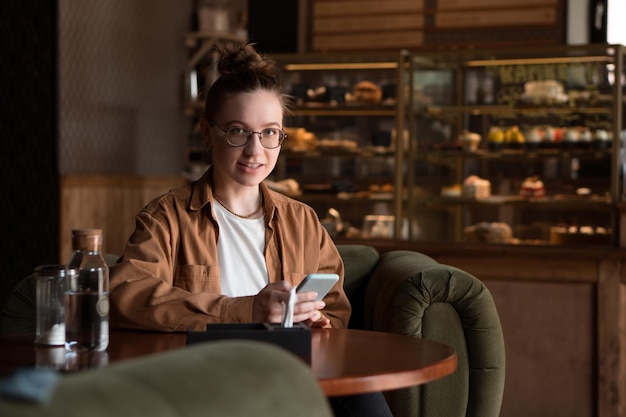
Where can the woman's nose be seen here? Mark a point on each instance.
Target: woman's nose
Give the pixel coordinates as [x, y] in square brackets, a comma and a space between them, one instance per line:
[254, 145]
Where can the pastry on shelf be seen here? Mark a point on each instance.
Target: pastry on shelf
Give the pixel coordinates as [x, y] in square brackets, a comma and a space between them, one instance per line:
[299, 139]
[367, 92]
[337, 145]
[289, 186]
[382, 192]
[514, 138]
[532, 187]
[476, 187]
[489, 232]
[583, 235]
[601, 139]
[454, 190]
[544, 92]
[495, 138]
[469, 140]
[534, 137]
[551, 138]
[328, 94]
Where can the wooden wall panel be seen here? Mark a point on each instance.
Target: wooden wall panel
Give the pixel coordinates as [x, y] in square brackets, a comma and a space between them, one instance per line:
[550, 347]
[435, 24]
[109, 203]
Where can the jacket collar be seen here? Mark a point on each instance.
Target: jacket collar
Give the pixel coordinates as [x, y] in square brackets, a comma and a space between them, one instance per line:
[202, 194]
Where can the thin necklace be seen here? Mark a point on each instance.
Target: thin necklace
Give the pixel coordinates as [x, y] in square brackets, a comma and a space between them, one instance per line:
[247, 216]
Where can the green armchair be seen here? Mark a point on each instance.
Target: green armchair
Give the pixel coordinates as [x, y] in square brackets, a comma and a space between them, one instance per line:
[401, 292]
[410, 293]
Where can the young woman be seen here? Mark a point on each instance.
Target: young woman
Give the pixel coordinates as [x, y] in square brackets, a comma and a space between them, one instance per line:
[226, 248]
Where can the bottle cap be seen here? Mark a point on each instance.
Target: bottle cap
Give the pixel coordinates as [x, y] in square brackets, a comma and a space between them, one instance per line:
[87, 239]
[85, 232]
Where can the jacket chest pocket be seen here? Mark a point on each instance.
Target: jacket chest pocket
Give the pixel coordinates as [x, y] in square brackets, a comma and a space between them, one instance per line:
[197, 278]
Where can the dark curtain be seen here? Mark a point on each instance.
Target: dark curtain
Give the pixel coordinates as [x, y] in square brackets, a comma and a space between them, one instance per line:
[29, 180]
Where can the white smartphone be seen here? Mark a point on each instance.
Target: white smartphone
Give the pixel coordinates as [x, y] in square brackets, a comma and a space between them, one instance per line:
[320, 283]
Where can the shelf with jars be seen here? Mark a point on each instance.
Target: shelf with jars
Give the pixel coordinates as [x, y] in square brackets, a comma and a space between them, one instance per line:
[520, 146]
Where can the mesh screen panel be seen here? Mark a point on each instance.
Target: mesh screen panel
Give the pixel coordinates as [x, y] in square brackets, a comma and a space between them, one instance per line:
[120, 65]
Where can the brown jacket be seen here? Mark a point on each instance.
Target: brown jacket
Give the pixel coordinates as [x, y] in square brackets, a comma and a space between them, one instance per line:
[168, 277]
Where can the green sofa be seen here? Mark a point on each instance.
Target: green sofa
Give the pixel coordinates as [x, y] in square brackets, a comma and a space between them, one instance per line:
[402, 292]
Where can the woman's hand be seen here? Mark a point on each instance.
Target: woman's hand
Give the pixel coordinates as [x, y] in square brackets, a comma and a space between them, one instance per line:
[268, 306]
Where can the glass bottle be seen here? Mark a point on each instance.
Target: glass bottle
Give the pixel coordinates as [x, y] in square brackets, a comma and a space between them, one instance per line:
[87, 294]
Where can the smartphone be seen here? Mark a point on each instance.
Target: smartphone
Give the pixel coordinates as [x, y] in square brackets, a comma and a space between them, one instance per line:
[320, 283]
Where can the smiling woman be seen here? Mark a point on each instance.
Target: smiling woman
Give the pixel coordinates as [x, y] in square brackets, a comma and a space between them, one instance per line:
[225, 248]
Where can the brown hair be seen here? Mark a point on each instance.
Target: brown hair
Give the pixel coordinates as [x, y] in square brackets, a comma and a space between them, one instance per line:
[242, 70]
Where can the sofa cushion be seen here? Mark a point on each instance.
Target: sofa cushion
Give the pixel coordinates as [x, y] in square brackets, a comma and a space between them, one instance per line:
[223, 378]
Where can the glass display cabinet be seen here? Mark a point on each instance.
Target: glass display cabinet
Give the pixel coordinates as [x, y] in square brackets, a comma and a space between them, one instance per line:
[516, 146]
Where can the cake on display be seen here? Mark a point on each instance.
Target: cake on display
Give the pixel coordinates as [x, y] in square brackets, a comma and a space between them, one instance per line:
[544, 92]
[476, 187]
[532, 187]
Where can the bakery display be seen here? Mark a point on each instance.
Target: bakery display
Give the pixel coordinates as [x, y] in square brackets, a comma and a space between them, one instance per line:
[505, 140]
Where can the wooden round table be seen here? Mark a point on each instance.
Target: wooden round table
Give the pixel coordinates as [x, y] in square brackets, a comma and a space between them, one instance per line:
[344, 362]
[349, 362]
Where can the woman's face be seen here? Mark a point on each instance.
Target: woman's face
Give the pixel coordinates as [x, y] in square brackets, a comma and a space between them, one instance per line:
[248, 165]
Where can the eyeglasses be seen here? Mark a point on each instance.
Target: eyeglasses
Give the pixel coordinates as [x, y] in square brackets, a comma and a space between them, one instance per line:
[236, 136]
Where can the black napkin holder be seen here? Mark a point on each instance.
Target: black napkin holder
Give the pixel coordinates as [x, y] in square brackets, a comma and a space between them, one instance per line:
[296, 339]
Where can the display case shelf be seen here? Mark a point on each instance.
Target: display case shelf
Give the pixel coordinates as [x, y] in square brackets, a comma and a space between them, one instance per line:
[535, 111]
[344, 110]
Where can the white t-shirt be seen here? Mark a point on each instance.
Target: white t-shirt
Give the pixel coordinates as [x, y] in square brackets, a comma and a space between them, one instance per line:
[240, 253]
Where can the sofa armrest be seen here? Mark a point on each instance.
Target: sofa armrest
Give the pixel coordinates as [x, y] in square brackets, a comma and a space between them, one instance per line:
[411, 293]
[223, 378]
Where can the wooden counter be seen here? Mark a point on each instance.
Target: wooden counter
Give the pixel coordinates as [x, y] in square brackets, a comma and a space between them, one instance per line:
[563, 313]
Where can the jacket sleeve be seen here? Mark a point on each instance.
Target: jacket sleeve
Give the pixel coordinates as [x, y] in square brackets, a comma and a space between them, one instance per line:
[142, 288]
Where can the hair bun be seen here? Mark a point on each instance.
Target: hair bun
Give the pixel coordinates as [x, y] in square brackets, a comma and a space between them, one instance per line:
[238, 58]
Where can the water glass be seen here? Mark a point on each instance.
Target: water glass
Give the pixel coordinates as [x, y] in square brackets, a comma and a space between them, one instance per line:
[50, 304]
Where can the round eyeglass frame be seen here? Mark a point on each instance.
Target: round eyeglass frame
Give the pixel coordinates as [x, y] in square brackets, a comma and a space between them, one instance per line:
[281, 139]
